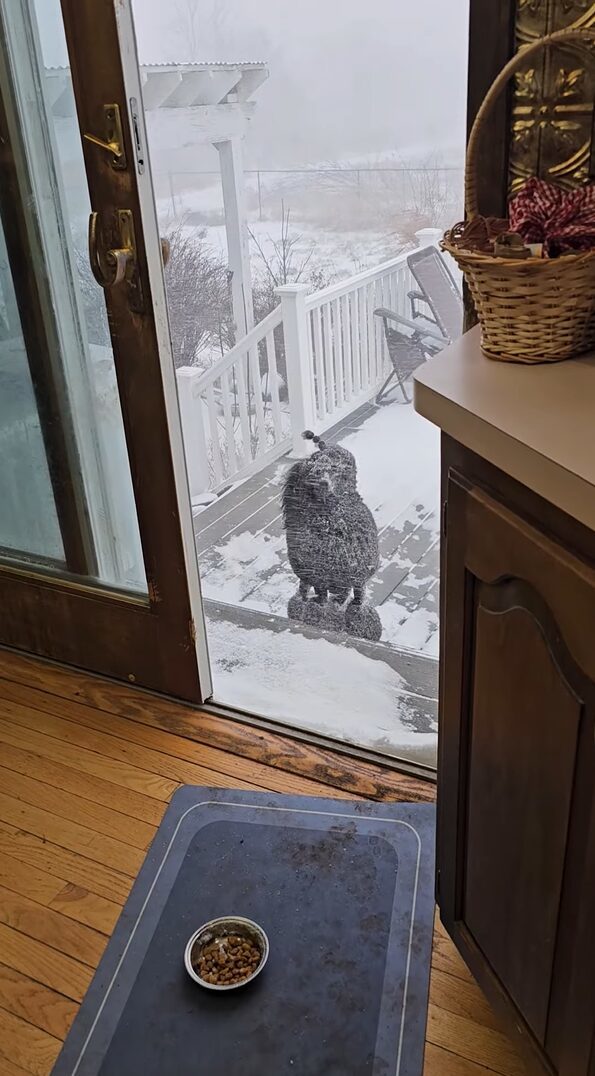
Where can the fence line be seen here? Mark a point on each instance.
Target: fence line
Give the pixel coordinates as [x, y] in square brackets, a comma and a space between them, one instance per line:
[260, 173]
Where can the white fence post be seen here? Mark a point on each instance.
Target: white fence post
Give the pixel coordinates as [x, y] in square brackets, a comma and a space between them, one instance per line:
[193, 429]
[232, 181]
[300, 375]
[429, 237]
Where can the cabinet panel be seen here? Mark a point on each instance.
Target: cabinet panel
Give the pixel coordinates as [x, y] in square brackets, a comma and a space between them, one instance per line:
[524, 727]
[516, 817]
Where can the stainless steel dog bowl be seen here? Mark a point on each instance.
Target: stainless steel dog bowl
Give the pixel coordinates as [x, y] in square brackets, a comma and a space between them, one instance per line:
[216, 928]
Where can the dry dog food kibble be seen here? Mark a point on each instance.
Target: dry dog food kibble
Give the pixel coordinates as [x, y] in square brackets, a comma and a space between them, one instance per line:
[227, 960]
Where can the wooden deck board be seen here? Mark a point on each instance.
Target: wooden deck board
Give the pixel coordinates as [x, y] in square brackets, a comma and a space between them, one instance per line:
[421, 578]
[264, 517]
[62, 886]
[411, 550]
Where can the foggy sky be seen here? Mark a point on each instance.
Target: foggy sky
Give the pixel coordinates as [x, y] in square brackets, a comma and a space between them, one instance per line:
[347, 77]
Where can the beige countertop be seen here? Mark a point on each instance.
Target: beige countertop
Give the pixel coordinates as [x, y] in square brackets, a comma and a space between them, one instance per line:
[536, 423]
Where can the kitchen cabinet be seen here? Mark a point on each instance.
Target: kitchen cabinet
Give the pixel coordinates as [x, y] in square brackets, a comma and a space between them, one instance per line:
[516, 780]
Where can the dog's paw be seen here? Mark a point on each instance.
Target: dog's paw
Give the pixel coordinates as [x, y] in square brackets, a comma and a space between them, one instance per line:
[295, 607]
[313, 612]
[363, 622]
[306, 612]
[333, 618]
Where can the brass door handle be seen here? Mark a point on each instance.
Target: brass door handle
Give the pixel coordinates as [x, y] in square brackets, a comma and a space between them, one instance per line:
[113, 143]
[118, 261]
[116, 264]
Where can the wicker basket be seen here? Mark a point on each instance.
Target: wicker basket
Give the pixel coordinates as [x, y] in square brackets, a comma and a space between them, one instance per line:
[533, 309]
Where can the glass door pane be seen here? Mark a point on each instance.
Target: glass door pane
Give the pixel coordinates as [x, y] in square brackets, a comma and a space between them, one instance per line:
[29, 519]
[97, 558]
[68, 498]
[304, 178]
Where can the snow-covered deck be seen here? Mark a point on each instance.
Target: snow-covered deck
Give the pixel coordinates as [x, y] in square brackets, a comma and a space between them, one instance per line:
[378, 695]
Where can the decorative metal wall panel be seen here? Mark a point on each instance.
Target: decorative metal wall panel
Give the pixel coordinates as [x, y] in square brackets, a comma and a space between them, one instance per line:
[552, 106]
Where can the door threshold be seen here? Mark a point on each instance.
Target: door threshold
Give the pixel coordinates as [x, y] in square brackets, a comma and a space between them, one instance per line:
[394, 763]
[77, 684]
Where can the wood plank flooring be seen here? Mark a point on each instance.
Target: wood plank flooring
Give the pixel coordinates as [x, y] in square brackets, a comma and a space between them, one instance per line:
[86, 771]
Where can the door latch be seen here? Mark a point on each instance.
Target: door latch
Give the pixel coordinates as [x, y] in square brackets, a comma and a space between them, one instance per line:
[113, 256]
[113, 143]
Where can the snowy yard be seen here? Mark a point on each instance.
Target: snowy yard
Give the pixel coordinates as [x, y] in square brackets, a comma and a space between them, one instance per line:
[326, 683]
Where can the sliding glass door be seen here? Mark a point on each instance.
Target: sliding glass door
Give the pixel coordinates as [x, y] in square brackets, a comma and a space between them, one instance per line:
[97, 560]
[304, 179]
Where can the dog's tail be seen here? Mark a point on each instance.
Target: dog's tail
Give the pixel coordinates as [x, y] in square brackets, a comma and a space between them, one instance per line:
[308, 435]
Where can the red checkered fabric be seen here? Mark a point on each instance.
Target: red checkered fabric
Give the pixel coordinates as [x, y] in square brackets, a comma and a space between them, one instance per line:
[562, 220]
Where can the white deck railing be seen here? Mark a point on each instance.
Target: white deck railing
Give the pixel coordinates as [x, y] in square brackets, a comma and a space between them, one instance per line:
[312, 361]
[348, 350]
[235, 416]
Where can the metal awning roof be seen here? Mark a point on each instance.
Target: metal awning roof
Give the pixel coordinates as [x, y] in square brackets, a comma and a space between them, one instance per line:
[183, 85]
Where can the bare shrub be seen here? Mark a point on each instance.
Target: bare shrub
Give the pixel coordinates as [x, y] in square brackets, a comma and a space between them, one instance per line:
[198, 298]
[285, 259]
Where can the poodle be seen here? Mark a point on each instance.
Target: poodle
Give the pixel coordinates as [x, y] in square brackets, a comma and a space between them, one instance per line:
[332, 540]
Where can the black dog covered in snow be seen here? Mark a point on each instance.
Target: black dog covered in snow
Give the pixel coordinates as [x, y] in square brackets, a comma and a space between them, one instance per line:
[332, 541]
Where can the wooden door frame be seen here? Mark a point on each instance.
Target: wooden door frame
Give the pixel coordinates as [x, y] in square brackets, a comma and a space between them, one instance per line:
[152, 640]
[491, 45]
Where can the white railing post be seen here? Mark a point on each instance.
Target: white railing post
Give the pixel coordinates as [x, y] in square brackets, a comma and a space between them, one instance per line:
[300, 377]
[429, 237]
[193, 428]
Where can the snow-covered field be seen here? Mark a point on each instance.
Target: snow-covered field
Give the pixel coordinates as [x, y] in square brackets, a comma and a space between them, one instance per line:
[338, 252]
[345, 220]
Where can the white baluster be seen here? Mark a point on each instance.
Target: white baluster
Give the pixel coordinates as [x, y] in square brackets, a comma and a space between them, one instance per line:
[339, 353]
[298, 360]
[232, 460]
[370, 306]
[363, 332]
[319, 358]
[261, 445]
[272, 382]
[403, 304]
[242, 398]
[347, 349]
[357, 349]
[328, 360]
[214, 432]
[193, 428]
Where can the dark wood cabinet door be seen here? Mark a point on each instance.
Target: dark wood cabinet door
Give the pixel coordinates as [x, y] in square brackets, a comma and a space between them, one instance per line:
[517, 773]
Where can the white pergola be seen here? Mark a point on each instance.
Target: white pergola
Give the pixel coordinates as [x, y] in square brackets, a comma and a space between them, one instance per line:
[218, 97]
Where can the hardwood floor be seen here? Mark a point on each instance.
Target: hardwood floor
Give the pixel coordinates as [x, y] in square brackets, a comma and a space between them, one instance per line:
[86, 770]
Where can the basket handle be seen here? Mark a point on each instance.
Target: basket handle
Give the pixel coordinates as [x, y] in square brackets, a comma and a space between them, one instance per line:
[559, 37]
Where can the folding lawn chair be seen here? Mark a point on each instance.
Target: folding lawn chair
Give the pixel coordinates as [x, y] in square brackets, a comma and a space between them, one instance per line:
[436, 319]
